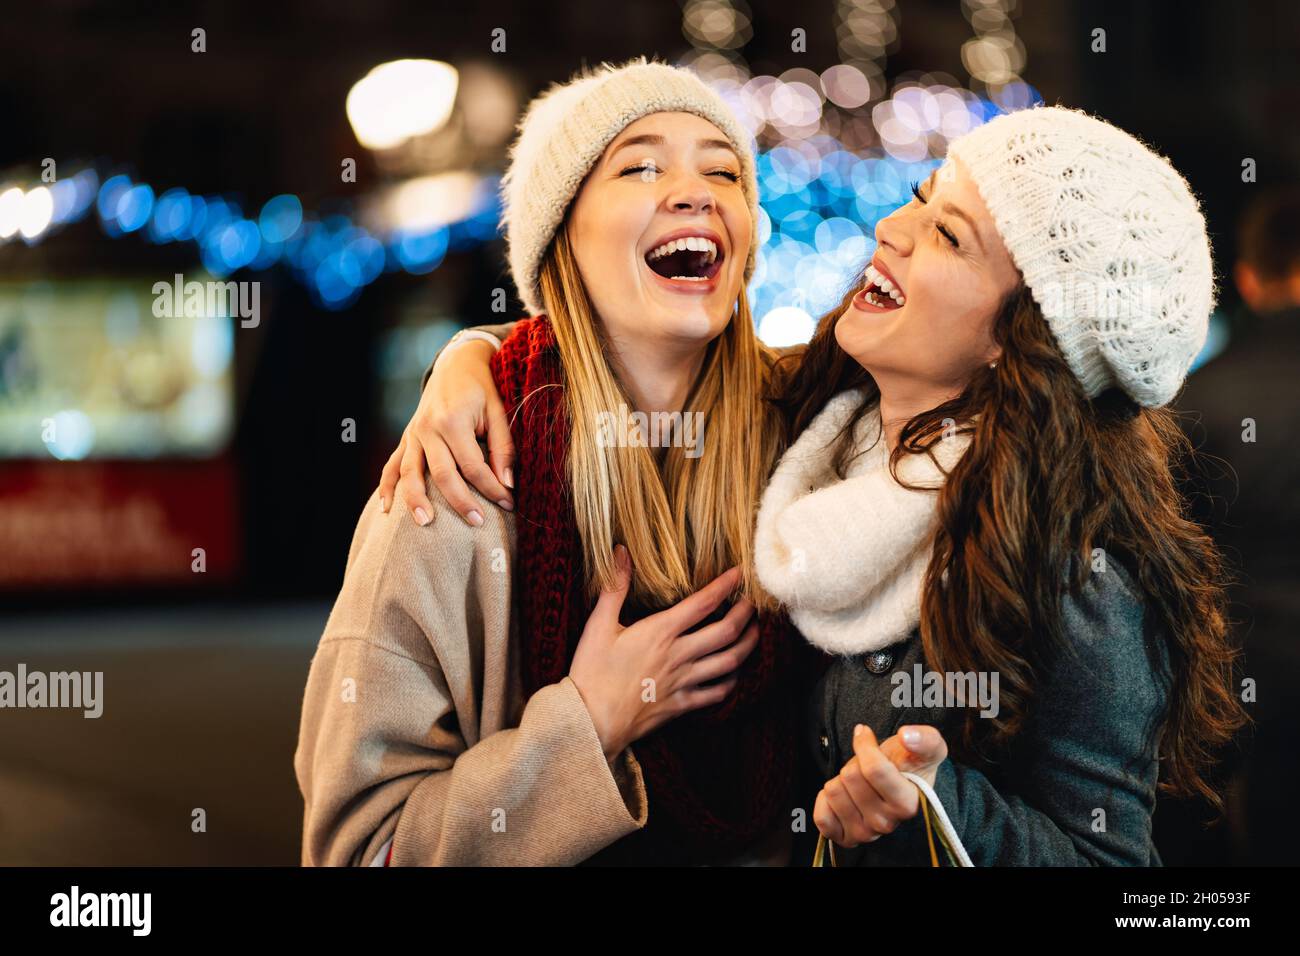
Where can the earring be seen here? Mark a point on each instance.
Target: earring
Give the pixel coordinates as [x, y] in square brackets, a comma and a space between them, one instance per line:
[993, 364]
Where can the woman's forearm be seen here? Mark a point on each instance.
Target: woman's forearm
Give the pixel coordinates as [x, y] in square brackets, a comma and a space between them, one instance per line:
[1003, 829]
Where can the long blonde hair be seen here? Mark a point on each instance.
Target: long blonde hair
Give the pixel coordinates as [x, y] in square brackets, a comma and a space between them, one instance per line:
[683, 520]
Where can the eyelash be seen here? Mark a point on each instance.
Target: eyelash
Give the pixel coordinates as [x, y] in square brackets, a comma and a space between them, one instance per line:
[732, 177]
[943, 230]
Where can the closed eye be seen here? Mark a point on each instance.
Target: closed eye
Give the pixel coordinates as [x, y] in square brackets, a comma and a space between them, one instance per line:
[942, 229]
[727, 174]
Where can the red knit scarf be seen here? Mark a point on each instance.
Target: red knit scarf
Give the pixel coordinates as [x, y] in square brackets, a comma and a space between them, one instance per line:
[717, 779]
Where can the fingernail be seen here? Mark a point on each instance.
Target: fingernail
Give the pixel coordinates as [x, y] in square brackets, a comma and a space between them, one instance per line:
[911, 736]
[505, 503]
[508, 479]
[474, 518]
[383, 504]
[857, 729]
[421, 516]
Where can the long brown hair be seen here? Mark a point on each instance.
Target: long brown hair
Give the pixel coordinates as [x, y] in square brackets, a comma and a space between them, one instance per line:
[1048, 477]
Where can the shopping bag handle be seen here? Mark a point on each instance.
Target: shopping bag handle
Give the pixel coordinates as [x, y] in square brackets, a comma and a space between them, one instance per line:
[936, 820]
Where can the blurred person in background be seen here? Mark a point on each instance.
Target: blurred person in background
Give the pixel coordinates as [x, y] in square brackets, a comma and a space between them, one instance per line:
[1242, 412]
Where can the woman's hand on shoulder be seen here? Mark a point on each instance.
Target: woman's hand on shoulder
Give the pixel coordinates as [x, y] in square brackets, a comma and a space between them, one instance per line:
[459, 403]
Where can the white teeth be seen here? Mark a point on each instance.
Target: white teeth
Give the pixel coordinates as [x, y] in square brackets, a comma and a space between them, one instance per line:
[873, 277]
[878, 299]
[691, 243]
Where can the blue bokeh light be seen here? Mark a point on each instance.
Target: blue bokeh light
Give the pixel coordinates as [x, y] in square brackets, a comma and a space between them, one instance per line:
[421, 253]
[133, 208]
[820, 203]
[281, 217]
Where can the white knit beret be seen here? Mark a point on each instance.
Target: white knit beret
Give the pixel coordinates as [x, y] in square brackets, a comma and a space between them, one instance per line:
[564, 131]
[1110, 240]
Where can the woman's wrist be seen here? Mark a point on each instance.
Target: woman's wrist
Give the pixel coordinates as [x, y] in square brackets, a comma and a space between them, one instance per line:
[465, 336]
[611, 743]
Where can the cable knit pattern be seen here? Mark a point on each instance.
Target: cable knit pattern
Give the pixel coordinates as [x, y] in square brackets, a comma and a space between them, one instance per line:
[1110, 239]
[848, 556]
[564, 131]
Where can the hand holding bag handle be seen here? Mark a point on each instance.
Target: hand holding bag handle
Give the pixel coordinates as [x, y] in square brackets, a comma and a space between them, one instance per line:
[936, 819]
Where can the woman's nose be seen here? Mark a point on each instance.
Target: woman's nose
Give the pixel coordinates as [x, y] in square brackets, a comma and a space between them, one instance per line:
[893, 232]
[691, 197]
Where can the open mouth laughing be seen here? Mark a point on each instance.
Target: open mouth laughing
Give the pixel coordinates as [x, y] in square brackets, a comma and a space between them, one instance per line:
[689, 257]
[881, 293]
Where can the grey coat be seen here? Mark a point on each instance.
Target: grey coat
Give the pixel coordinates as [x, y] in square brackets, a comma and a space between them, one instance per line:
[1078, 786]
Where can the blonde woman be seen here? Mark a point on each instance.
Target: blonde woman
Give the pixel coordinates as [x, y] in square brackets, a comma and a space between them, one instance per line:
[476, 697]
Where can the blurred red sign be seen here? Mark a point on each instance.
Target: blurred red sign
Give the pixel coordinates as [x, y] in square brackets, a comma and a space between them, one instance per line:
[92, 523]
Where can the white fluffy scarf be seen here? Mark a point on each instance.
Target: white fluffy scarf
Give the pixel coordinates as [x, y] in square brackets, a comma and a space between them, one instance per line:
[847, 556]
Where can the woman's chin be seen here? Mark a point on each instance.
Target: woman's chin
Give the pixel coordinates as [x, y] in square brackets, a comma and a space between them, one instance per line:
[701, 327]
[702, 319]
[859, 336]
[853, 328]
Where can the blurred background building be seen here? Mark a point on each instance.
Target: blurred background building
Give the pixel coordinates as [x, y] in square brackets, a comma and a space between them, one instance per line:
[180, 475]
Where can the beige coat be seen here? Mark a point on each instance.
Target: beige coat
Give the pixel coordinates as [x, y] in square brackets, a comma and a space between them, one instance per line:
[414, 726]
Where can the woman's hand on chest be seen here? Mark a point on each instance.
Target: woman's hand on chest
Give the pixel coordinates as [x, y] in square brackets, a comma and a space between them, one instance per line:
[870, 796]
[635, 679]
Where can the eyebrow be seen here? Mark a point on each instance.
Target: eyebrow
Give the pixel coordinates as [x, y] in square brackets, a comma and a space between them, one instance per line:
[952, 210]
[654, 139]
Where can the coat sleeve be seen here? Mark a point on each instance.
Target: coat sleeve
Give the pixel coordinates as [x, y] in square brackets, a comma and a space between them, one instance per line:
[382, 749]
[1084, 772]
[537, 794]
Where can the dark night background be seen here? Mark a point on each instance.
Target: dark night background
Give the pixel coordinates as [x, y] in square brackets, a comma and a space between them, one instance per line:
[204, 673]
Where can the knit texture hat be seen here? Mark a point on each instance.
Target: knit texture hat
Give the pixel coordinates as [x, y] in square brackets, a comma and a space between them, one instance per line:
[564, 131]
[1110, 240]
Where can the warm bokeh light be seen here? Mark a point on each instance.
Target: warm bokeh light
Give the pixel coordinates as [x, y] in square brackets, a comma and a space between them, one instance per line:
[399, 100]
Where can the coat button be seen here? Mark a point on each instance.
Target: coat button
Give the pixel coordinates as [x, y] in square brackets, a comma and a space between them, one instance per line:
[878, 662]
[825, 744]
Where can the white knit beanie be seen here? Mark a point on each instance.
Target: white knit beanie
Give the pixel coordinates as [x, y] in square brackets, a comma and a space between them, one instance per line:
[1109, 239]
[564, 131]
